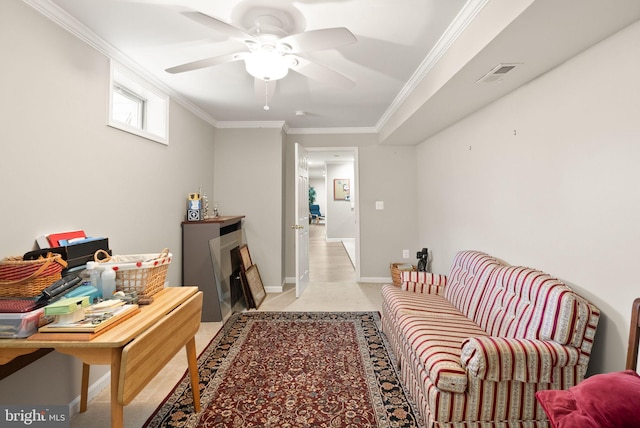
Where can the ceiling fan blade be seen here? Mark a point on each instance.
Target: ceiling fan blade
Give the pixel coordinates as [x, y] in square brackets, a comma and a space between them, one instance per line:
[316, 40]
[322, 74]
[264, 91]
[218, 25]
[207, 62]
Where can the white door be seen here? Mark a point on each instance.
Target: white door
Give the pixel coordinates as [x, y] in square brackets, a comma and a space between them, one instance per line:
[301, 228]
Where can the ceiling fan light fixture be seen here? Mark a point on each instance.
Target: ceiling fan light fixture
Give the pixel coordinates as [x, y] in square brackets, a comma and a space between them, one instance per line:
[267, 65]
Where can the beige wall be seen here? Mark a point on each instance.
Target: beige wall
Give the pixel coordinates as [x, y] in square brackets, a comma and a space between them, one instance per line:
[548, 177]
[340, 214]
[386, 174]
[62, 168]
[249, 175]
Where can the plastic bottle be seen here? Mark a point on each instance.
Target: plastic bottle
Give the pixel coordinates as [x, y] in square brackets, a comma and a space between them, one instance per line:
[94, 276]
[108, 278]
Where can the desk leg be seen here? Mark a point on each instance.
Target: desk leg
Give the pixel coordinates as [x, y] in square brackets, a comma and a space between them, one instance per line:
[193, 372]
[117, 409]
[84, 389]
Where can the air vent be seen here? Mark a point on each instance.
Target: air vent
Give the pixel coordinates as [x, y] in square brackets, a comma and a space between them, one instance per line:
[497, 73]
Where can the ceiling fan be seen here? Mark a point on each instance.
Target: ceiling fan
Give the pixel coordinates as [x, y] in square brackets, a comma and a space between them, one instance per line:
[271, 52]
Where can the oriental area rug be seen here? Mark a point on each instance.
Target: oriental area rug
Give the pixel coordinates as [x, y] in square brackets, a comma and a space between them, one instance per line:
[291, 370]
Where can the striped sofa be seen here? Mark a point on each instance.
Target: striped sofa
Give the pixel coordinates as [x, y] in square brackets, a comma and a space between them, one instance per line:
[474, 346]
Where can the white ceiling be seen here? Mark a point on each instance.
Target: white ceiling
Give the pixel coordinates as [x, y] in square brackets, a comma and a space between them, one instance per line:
[415, 62]
[320, 157]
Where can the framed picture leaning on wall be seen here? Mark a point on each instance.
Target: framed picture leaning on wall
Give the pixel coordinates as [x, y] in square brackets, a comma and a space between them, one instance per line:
[254, 283]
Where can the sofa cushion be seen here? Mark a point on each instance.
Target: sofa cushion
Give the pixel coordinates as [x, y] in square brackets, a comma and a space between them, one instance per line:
[423, 282]
[526, 303]
[435, 338]
[467, 277]
[397, 299]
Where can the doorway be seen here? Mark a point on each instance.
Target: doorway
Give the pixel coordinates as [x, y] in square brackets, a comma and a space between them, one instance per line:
[334, 239]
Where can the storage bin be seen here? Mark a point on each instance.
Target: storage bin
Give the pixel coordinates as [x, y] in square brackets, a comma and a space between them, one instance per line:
[397, 269]
[143, 274]
[20, 325]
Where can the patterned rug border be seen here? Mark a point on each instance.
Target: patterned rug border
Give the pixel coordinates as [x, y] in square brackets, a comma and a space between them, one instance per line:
[229, 334]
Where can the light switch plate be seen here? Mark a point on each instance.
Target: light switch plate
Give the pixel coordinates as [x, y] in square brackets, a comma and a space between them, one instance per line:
[379, 205]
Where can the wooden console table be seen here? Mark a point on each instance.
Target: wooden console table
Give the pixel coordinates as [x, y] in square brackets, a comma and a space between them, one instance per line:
[136, 349]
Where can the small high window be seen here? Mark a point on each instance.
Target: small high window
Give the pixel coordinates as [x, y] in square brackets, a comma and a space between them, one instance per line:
[136, 107]
[127, 107]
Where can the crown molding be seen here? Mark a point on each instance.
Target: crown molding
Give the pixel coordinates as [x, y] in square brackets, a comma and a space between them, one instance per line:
[272, 124]
[457, 27]
[292, 131]
[63, 19]
[75, 27]
[307, 131]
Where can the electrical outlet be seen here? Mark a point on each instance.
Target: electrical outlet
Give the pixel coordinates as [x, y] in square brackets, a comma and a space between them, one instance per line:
[405, 254]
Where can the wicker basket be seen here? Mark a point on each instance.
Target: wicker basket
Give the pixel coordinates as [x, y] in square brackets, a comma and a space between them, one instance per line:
[141, 273]
[27, 278]
[397, 268]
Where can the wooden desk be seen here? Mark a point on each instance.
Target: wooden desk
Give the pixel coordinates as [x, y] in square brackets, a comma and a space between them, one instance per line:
[136, 349]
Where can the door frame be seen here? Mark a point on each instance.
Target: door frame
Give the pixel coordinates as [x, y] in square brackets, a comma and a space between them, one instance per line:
[301, 218]
[355, 189]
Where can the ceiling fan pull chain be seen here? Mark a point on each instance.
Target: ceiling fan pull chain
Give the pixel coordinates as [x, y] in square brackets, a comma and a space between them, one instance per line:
[266, 95]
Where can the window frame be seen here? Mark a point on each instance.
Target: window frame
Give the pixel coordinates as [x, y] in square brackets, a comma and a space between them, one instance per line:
[123, 91]
[154, 105]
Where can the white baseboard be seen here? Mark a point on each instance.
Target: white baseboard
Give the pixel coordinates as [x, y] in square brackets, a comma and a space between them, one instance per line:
[376, 280]
[94, 390]
[273, 289]
[373, 279]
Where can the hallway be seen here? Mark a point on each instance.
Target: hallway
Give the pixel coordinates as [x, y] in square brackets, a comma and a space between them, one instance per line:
[328, 261]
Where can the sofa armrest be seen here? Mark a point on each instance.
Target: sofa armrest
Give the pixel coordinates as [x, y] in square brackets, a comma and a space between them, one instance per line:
[423, 282]
[526, 360]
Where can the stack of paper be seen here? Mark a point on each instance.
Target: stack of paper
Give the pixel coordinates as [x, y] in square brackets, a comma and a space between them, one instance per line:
[94, 320]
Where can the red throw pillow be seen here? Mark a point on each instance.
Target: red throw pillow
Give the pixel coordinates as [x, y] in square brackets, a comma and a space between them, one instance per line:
[601, 401]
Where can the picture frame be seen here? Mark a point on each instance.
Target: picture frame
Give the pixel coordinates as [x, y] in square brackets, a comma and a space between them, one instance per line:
[341, 189]
[238, 265]
[245, 257]
[254, 283]
[246, 292]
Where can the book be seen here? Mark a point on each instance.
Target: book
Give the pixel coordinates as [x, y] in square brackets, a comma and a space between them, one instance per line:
[66, 306]
[92, 323]
[42, 242]
[80, 336]
[54, 238]
[76, 241]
